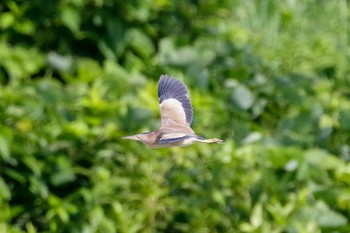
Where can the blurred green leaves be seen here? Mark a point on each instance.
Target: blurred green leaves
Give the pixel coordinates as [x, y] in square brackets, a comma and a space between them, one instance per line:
[19, 63]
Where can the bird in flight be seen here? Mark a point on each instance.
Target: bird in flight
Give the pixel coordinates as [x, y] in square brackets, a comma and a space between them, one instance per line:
[176, 117]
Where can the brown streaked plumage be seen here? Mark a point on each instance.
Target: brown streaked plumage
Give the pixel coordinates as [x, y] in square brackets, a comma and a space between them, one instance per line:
[176, 117]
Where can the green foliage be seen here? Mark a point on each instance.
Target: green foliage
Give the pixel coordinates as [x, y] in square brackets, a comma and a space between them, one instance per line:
[269, 77]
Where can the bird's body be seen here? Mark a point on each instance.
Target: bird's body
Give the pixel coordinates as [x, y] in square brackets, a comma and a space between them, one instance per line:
[176, 117]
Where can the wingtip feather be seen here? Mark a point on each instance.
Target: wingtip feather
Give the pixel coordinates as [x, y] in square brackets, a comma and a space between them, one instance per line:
[169, 87]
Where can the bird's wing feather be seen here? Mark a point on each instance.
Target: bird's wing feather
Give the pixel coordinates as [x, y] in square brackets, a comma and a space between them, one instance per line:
[173, 139]
[174, 102]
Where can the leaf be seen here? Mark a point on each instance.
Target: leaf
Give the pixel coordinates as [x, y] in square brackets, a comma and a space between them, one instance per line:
[170, 54]
[5, 193]
[242, 97]
[139, 41]
[252, 137]
[7, 19]
[71, 18]
[59, 62]
[6, 137]
[63, 173]
[256, 217]
[323, 215]
[332, 219]
[4, 148]
[344, 119]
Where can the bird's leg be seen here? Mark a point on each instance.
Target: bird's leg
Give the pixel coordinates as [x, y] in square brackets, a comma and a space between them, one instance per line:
[212, 140]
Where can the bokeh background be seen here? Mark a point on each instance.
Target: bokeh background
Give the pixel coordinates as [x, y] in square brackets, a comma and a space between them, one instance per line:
[270, 77]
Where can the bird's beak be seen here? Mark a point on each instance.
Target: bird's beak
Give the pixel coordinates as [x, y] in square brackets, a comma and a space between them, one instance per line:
[133, 137]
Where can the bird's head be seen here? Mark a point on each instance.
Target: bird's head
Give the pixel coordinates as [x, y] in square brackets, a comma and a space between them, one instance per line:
[147, 138]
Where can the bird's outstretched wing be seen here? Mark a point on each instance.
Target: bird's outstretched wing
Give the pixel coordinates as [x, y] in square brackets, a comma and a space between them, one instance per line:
[174, 102]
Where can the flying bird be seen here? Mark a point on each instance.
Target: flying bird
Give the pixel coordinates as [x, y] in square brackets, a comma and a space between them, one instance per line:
[176, 117]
